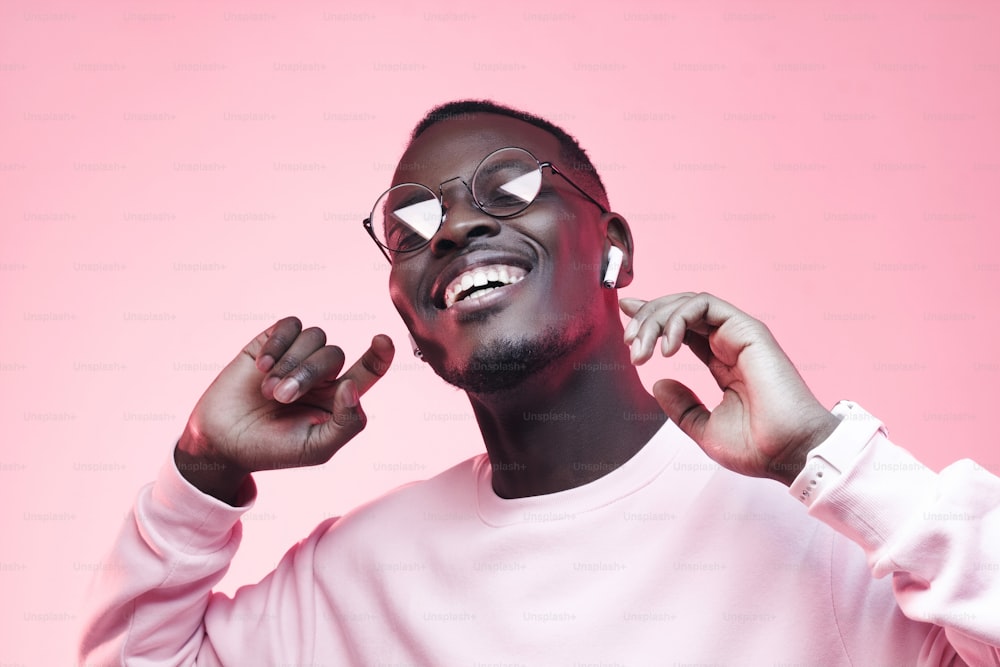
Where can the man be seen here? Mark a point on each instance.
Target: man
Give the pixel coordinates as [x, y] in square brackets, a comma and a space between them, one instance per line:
[594, 530]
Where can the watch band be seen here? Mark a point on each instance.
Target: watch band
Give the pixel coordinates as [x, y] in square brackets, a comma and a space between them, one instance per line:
[827, 462]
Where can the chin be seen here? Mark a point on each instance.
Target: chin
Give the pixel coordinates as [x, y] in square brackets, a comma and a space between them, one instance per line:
[507, 363]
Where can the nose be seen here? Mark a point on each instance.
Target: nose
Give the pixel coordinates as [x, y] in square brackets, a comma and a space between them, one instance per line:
[463, 220]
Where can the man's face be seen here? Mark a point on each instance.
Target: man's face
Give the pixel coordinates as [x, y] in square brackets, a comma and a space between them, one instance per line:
[553, 250]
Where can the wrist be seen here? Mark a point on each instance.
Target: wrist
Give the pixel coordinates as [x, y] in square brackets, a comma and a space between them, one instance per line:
[788, 467]
[206, 471]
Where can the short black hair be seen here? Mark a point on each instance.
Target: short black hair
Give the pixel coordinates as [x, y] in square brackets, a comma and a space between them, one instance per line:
[572, 156]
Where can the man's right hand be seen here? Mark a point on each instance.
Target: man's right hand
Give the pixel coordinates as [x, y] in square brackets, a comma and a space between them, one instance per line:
[281, 403]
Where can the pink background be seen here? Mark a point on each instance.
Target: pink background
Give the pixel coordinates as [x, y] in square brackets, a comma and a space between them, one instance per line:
[174, 177]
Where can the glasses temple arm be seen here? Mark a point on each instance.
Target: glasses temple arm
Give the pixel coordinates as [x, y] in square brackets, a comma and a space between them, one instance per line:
[367, 224]
[555, 170]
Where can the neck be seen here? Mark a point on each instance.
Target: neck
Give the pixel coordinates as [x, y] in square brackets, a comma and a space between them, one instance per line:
[570, 427]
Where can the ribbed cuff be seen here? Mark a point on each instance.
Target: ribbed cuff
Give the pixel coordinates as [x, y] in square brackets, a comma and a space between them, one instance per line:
[877, 495]
[187, 518]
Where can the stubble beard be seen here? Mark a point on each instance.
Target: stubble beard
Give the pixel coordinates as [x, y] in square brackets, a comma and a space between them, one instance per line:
[507, 363]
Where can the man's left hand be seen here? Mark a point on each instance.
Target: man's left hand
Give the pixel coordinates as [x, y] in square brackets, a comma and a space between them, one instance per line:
[768, 419]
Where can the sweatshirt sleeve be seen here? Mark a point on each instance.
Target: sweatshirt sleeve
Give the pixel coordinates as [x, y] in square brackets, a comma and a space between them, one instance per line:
[938, 535]
[148, 605]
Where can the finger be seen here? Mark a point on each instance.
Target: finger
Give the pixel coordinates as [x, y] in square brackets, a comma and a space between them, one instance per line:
[644, 341]
[703, 314]
[372, 365]
[630, 305]
[346, 421]
[652, 326]
[698, 344]
[273, 342]
[317, 370]
[640, 310]
[683, 407]
[305, 344]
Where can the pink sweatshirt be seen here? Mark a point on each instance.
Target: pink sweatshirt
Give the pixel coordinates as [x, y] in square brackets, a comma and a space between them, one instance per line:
[668, 560]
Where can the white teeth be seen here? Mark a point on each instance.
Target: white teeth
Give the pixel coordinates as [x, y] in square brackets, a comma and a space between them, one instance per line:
[478, 294]
[480, 277]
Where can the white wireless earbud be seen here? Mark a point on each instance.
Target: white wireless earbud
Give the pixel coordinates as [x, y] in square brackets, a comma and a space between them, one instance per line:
[416, 350]
[615, 256]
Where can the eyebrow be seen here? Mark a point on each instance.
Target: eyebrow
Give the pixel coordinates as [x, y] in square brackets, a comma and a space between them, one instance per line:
[492, 169]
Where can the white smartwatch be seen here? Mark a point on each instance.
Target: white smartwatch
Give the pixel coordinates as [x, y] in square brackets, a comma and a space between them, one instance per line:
[827, 462]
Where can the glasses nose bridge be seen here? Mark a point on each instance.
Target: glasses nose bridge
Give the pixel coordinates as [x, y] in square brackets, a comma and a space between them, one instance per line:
[468, 188]
[468, 220]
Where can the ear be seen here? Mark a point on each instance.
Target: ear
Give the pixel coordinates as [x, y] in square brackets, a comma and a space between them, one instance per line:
[618, 234]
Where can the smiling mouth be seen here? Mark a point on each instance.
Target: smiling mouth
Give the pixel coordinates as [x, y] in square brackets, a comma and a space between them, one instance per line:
[480, 281]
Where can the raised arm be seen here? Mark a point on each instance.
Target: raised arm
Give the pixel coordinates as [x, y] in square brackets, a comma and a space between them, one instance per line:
[937, 534]
[282, 402]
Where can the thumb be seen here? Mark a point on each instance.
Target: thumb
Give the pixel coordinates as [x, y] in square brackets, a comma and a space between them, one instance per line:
[683, 407]
[346, 421]
[372, 365]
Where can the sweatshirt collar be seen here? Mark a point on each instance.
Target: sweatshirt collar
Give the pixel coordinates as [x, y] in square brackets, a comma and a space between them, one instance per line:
[669, 448]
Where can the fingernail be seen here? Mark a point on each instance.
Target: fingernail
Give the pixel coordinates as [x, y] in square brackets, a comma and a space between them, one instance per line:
[664, 344]
[631, 330]
[265, 363]
[636, 349]
[287, 390]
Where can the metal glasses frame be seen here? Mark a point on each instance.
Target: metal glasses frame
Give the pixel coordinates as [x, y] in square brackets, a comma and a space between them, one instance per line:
[367, 222]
